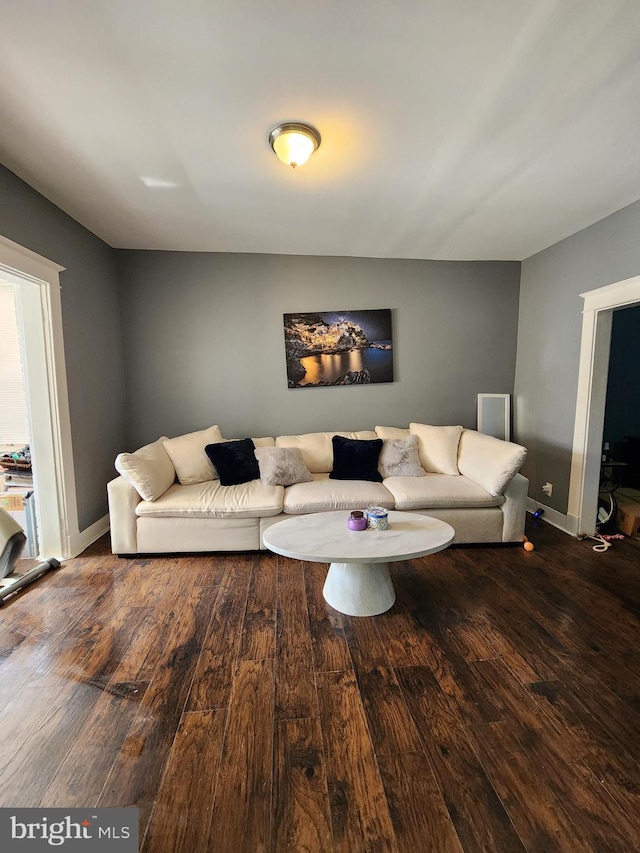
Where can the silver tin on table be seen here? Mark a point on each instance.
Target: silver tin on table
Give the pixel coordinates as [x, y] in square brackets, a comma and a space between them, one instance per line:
[377, 518]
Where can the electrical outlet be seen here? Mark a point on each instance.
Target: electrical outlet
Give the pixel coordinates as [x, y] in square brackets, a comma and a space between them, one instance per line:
[548, 489]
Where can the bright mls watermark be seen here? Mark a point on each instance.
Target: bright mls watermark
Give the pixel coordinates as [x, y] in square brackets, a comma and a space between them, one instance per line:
[80, 830]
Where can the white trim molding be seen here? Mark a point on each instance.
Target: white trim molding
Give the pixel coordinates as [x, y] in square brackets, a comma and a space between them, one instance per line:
[40, 316]
[87, 537]
[591, 397]
[567, 523]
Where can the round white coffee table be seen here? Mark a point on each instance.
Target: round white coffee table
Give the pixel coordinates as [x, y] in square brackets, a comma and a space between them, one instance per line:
[358, 582]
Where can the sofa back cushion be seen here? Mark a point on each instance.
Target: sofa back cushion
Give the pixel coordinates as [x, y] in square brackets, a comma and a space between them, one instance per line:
[490, 462]
[438, 447]
[189, 459]
[149, 470]
[262, 441]
[317, 448]
[392, 432]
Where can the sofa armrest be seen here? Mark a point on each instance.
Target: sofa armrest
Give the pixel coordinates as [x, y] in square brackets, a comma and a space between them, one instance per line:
[123, 500]
[514, 509]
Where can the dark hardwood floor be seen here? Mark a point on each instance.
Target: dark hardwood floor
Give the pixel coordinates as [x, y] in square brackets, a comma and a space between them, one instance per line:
[495, 707]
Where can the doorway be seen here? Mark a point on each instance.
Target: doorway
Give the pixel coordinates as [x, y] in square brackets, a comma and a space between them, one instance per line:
[622, 410]
[39, 311]
[591, 400]
[16, 474]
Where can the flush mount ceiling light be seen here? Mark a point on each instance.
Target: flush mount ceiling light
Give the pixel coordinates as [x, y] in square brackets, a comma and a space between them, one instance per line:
[158, 183]
[294, 142]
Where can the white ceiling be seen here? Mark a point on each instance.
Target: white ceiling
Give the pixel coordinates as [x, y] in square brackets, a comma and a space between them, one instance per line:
[457, 129]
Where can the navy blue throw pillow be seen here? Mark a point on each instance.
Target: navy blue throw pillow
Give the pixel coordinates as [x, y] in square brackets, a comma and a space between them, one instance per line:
[235, 461]
[356, 459]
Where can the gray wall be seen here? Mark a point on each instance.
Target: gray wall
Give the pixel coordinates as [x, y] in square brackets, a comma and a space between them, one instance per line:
[204, 340]
[549, 332]
[92, 336]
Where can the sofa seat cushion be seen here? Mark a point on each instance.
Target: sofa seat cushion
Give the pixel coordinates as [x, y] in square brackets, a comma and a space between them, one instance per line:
[213, 500]
[439, 490]
[324, 494]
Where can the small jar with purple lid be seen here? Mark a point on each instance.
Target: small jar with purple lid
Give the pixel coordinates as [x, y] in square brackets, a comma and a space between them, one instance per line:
[357, 520]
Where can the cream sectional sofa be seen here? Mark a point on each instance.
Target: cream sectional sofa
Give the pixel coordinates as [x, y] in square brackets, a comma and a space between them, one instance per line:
[168, 498]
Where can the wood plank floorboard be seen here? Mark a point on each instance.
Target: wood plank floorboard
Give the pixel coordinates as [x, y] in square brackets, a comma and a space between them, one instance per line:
[301, 818]
[182, 811]
[136, 778]
[295, 690]
[242, 808]
[495, 707]
[360, 816]
[211, 685]
[258, 639]
[330, 647]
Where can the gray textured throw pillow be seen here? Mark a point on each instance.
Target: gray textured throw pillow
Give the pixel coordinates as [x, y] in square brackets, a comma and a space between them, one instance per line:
[400, 458]
[282, 466]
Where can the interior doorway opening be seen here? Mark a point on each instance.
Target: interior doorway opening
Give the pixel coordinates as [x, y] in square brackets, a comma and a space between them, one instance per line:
[39, 312]
[622, 411]
[595, 348]
[17, 496]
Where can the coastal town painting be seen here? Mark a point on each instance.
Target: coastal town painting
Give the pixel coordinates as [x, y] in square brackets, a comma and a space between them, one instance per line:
[338, 348]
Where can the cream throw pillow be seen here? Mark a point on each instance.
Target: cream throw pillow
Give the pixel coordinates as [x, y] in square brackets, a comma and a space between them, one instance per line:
[488, 461]
[438, 446]
[400, 458]
[149, 470]
[189, 459]
[282, 466]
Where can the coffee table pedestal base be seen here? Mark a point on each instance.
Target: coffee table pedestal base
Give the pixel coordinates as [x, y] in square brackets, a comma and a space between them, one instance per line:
[359, 589]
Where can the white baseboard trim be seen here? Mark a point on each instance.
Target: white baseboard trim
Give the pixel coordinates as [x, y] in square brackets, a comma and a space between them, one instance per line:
[82, 540]
[566, 523]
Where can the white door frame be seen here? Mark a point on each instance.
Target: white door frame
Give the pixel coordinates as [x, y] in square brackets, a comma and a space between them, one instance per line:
[592, 392]
[39, 310]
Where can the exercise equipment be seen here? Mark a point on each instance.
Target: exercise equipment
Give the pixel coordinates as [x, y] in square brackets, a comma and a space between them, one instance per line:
[12, 542]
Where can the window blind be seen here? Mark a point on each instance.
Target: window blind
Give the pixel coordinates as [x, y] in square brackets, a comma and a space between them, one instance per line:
[14, 420]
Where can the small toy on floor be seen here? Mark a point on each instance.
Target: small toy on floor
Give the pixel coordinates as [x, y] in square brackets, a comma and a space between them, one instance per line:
[528, 546]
